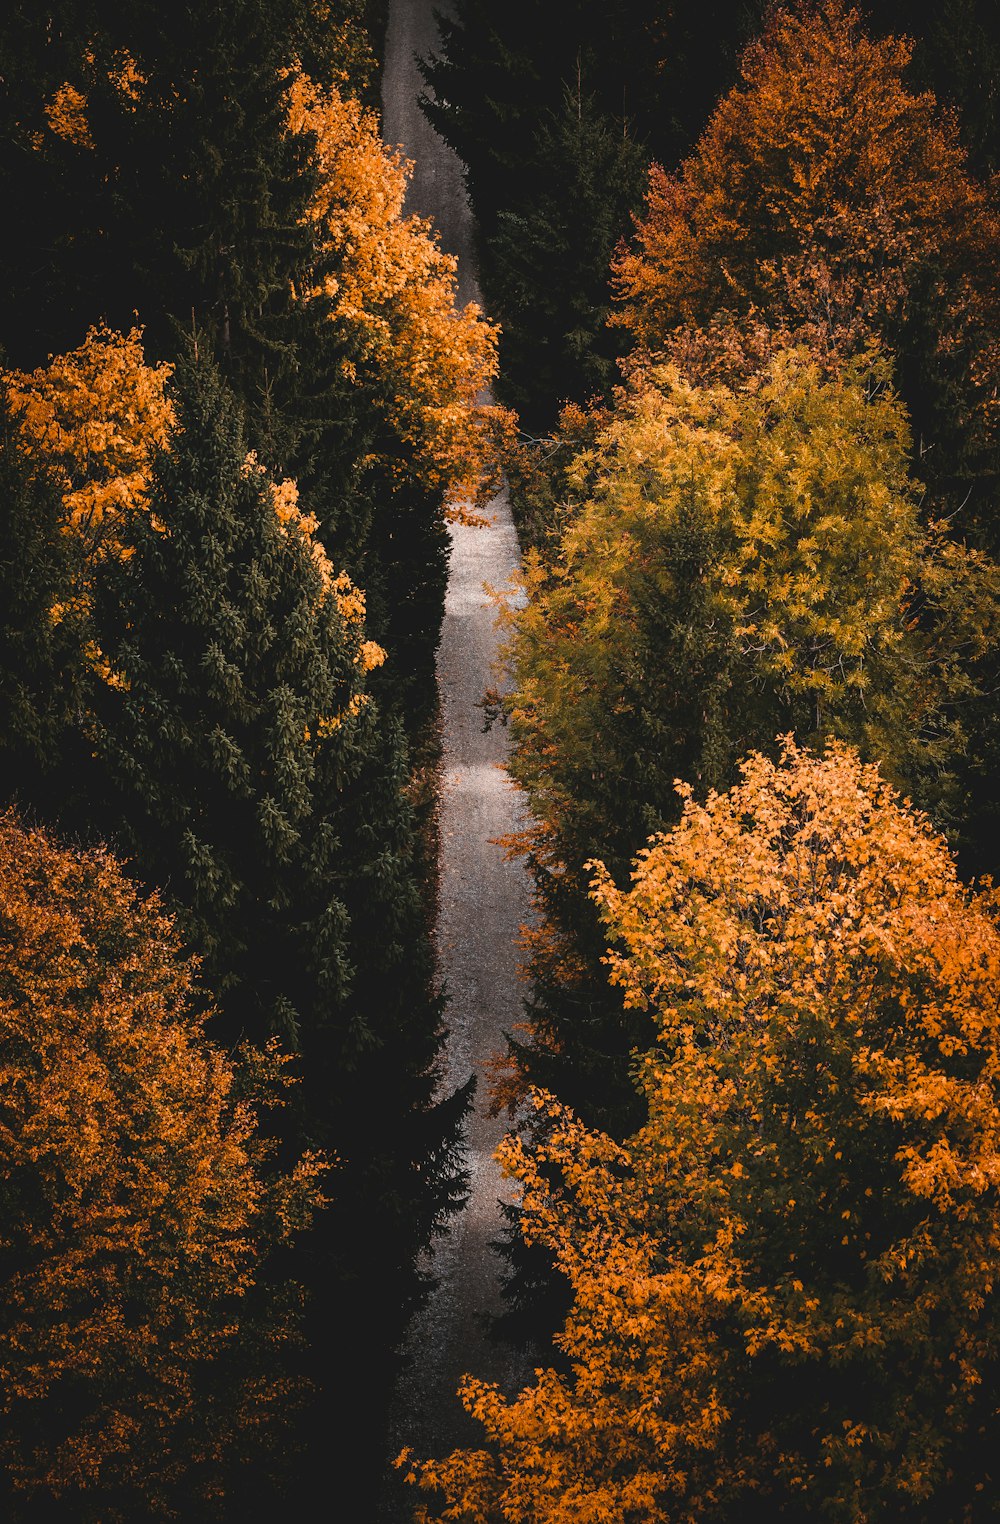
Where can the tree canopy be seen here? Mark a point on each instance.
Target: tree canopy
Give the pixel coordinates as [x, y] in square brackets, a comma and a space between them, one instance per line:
[782, 1285]
[738, 562]
[146, 1349]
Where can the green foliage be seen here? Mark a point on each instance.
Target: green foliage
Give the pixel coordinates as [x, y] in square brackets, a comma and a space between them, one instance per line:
[554, 112]
[42, 628]
[178, 192]
[244, 765]
[547, 265]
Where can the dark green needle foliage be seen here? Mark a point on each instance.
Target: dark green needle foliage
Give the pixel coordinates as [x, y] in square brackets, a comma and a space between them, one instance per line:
[555, 112]
[41, 626]
[243, 764]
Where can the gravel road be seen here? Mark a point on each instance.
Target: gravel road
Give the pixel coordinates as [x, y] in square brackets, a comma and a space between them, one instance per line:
[483, 899]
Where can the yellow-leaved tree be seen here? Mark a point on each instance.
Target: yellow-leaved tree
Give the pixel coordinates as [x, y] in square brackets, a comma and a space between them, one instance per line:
[740, 562]
[829, 201]
[95, 416]
[394, 292]
[783, 1298]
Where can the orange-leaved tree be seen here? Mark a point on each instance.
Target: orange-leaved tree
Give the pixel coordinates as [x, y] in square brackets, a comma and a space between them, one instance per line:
[96, 416]
[827, 199]
[783, 1284]
[393, 292]
[143, 1353]
[818, 187]
[739, 562]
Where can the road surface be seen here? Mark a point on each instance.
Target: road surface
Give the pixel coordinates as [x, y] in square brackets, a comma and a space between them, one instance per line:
[483, 900]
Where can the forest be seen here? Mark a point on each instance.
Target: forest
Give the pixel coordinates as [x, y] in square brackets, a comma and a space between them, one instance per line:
[737, 363]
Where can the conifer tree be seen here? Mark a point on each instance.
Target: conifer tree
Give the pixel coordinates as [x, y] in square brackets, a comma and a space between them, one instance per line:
[548, 261]
[191, 172]
[42, 625]
[244, 765]
[553, 112]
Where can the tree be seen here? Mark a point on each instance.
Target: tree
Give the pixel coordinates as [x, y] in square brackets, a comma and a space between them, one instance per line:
[783, 1283]
[177, 192]
[742, 562]
[415, 364]
[827, 200]
[242, 763]
[956, 54]
[42, 620]
[95, 417]
[554, 115]
[549, 259]
[145, 1351]
[192, 172]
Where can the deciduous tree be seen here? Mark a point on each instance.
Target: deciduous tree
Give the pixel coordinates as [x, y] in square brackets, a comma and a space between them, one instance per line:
[94, 418]
[782, 1285]
[743, 562]
[828, 199]
[413, 366]
[145, 1353]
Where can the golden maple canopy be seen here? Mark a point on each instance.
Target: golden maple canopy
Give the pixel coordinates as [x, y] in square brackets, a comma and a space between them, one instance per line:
[394, 290]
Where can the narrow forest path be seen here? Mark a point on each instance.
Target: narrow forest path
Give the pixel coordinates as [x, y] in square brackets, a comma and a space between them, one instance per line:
[483, 899]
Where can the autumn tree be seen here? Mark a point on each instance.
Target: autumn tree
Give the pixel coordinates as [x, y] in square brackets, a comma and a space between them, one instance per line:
[957, 55]
[94, 418]
[828, 200]
[414, 361]
[146, 1350]
[783, 1283]
[191, 172]
[743, 562]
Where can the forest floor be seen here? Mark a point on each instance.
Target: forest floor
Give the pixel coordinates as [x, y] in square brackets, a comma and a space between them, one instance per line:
[484, 899]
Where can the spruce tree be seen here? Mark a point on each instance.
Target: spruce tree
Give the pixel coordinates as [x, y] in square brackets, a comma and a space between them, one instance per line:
[555, 113]
[41, 625]
[548, 264]
[245, 767]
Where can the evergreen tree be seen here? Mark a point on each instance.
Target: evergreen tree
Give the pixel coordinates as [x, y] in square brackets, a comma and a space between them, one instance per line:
[548, 264]
[183, 168]
[41, 624]
[553, 112]
[243, 763]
